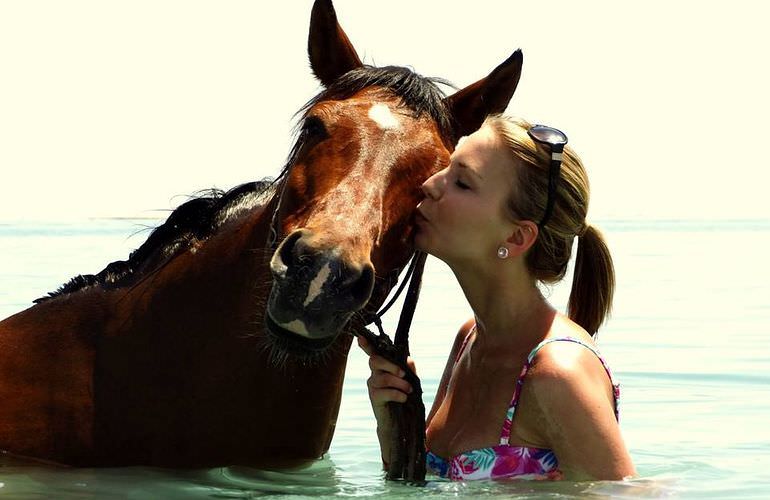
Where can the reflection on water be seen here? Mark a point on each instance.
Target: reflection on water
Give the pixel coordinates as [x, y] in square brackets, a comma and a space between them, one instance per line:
[320, 479]
[32, 481]
[687, 340]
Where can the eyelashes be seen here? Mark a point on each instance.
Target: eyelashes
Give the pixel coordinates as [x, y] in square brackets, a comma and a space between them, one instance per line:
[461, 185]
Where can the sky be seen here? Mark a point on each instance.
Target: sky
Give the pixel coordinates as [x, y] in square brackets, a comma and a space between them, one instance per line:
[124, 109]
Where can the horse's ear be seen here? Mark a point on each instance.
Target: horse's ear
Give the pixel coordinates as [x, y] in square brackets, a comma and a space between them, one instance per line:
[471, 105]
[331, 53]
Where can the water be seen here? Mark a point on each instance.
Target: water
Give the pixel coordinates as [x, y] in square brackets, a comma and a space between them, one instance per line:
[688, 341]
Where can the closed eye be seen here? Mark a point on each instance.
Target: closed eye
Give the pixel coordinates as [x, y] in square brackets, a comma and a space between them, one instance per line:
[461, 184]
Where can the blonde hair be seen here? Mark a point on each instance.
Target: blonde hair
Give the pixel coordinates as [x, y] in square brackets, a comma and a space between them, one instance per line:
[593, 284]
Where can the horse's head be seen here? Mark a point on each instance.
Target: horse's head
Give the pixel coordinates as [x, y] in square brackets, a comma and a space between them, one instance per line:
[345, 202]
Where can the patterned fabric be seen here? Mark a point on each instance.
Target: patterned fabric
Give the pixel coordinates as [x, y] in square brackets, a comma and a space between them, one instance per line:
[504, 460]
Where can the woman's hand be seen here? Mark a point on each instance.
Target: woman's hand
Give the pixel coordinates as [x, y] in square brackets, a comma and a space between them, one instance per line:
[386, 383]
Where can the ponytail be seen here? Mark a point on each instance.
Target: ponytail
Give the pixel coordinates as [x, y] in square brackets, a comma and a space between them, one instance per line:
[593, 284]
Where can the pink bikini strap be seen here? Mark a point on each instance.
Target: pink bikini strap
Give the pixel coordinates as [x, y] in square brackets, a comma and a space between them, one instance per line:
[465, 342]
[506, 432]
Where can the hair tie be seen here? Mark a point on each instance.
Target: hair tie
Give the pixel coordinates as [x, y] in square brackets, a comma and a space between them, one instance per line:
[583, 229]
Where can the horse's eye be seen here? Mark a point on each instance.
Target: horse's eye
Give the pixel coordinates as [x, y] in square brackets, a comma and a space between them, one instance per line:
[314, 127]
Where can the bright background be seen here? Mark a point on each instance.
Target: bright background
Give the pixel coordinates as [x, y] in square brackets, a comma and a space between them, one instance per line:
[125, 108]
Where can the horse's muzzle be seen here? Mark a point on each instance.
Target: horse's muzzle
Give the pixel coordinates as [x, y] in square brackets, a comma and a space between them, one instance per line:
[315, 291]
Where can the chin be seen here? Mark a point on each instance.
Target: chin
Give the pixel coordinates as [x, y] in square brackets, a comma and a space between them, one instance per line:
[424, 247]
[420, 243]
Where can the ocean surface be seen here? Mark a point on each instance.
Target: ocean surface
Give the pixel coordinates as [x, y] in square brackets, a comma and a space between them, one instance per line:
[688, 341]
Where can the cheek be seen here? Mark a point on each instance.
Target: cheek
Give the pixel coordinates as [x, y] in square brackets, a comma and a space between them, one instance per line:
[472, 221]
[464, 210]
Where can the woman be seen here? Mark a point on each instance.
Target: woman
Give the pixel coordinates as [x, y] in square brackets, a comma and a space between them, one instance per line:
[524, 393]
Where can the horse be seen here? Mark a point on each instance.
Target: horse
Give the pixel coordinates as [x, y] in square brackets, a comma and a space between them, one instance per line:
[223, 338]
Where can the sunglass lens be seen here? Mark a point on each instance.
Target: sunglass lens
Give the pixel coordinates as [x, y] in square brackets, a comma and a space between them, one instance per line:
[548, 135]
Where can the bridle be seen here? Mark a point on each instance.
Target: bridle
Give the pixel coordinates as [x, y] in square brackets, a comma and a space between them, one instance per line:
[412, 276]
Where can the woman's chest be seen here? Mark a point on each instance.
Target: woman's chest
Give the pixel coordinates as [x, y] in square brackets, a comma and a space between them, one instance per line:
[474, 410]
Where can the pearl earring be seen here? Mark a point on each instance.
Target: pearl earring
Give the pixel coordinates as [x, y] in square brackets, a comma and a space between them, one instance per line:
[502, 252]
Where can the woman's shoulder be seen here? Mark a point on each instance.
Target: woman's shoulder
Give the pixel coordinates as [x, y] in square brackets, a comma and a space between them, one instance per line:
[463, 334]
[466, 328]
[568, 358]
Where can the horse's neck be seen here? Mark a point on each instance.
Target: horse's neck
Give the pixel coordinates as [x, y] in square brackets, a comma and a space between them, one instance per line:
[227, 264]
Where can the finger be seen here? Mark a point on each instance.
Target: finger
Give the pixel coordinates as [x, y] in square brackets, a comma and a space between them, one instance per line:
[382, 396]
[411, 365]
[384, 380]
[378, 363]
[364, 345]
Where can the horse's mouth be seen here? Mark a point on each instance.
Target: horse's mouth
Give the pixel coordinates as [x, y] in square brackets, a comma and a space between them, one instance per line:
[293, 343]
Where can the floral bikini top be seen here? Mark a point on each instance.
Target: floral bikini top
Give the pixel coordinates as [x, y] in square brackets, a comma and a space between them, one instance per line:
[504, 460]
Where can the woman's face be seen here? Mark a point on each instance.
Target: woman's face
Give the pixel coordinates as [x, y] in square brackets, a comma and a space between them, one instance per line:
[463, 216]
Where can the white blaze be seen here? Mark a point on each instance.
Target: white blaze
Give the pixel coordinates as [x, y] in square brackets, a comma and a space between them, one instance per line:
[315, 286]
[382, 116]
[296, 326]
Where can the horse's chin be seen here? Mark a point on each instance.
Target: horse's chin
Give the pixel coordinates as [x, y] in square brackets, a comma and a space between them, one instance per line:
[293, 343]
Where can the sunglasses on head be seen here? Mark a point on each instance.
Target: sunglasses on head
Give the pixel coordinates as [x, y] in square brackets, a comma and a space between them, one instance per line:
[555, 139]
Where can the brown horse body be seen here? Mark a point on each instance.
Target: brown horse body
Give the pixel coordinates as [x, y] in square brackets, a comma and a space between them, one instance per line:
[165, 376]
[209, 346]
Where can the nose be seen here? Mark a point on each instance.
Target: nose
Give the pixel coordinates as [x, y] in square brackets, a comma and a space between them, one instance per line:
[431, 186]
[336, 282]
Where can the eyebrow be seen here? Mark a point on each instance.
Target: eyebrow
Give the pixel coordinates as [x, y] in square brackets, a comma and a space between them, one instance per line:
[469, 169]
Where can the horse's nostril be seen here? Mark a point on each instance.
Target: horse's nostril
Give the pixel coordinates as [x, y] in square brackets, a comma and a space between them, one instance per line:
[361, 288]
[287, 250]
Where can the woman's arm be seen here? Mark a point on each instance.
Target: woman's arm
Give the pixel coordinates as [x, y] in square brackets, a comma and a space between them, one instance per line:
[574, 395]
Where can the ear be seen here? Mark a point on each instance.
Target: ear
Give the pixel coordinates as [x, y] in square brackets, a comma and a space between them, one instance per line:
[471, 105]
[331, 53]
[522, 238]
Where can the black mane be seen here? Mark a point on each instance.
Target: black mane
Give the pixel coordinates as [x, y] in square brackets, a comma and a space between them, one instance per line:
[193, 220]
[199, 218]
